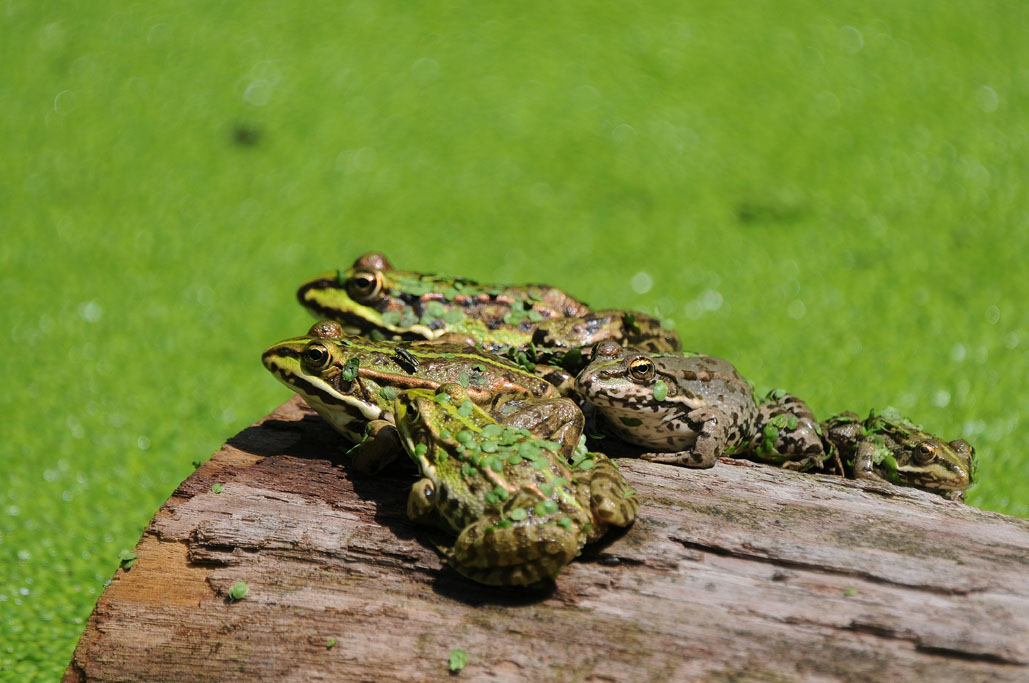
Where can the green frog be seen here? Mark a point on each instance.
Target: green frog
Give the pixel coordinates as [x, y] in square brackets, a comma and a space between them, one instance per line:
[521, 507]
[534, 324]
[788, 434]
[888, 447]
[684, 408]
[352, 383]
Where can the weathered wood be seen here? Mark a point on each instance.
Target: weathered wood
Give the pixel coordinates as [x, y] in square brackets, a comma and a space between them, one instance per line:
[741, 572]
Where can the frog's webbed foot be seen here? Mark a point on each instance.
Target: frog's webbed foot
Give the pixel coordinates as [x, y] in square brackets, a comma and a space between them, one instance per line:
[681, 458]
[612, 501]
[380, 446]
[516, 555]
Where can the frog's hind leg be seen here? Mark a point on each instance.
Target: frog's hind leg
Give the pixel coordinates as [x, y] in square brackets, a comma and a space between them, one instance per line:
[787, 434]
[553, 419]
[516, 555]
[612, 501]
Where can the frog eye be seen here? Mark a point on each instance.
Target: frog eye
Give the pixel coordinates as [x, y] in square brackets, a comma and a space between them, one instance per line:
[364, 286]
[317, 357]
[641, 369]
[607, 349]
[326, 329]
[963, 448]
[926, 452]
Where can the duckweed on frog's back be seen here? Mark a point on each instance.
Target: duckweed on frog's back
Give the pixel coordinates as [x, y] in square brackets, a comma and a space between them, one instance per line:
[532, 323]
[521, 507]
[788, 434]
[352, 381]
[374, 297]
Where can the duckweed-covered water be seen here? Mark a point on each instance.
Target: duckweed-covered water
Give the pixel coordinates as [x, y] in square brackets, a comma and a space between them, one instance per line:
[833, 199]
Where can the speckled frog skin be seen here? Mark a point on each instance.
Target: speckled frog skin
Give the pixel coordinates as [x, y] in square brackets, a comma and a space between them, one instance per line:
[374, 297]
[352, 381]
[521, 507]
[788, 434]
[689, 409]
[532, 324]
[888, 447]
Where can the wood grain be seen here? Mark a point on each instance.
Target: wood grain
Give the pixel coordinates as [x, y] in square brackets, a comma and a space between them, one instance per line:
[741, 572]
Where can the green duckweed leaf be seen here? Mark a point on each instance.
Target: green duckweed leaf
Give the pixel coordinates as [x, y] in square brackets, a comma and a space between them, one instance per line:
[238, 591]
[660, 390]
[458, 660]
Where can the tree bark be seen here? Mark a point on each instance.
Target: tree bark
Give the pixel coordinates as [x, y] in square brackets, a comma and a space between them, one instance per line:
[741, 572]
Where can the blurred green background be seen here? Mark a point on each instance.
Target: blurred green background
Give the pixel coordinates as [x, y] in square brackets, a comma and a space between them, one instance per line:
[830, 198]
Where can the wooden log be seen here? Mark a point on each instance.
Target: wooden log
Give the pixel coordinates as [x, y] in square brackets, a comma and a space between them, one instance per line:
[740, 572]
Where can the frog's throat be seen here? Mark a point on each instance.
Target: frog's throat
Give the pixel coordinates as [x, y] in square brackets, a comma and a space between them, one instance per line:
[346, 413]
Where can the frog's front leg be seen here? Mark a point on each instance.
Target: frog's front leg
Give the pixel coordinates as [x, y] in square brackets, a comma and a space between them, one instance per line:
[710, 425]
[864, 463]
[514, 555]
[380, 446]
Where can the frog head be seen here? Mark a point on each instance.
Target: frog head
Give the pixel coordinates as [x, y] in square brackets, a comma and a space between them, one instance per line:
[373, 297]
[323, 368]
[628, 387]
[923, 460]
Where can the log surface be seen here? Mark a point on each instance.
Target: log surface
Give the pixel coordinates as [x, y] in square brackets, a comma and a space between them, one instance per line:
[741, 572]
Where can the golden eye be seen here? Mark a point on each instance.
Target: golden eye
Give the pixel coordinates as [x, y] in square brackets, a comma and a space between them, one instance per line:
[317, 357]
[364, 286]
[641, 369]
[925, 453]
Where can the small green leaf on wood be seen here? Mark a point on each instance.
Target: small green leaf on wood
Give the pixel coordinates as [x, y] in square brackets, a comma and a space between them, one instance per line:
[238, 591]
[458, 660]
[126, 559]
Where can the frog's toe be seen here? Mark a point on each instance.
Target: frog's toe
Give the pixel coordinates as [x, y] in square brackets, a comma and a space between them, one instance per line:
[612, 501]
[680, 458]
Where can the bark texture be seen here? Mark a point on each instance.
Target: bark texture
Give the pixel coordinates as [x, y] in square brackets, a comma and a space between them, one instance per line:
[741, 572]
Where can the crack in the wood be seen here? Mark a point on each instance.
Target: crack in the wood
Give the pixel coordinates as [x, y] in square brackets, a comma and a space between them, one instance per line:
[823, 569]
[914, 638]
[885, 632]
[986, 657]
